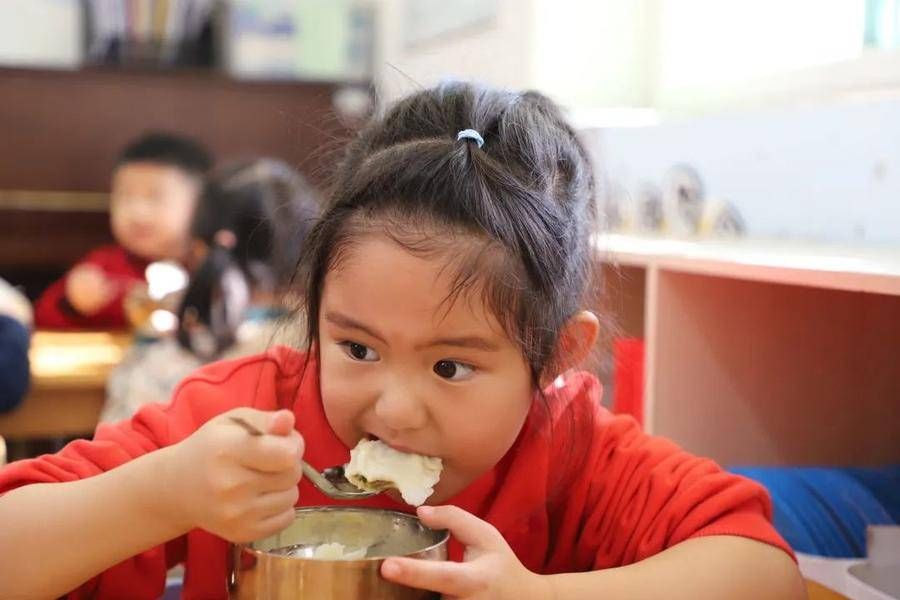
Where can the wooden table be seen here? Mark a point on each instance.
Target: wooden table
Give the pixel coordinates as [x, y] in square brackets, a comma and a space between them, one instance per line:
[68, 384]
[817, 591]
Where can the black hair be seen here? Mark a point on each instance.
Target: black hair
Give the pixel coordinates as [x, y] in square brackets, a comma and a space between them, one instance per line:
[267, 209]
[527, 195]
[170, 149]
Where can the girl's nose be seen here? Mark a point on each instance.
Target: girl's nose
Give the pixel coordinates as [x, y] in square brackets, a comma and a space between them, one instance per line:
[399, 408]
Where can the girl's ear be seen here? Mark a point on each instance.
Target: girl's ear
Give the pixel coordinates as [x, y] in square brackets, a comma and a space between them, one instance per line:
[576, 340]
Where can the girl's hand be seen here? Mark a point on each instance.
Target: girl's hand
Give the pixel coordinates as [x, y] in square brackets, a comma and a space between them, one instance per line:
[490, 569]
[235, 485]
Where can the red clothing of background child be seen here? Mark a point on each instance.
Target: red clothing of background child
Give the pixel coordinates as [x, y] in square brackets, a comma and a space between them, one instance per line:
[625, 497]
[53, 309]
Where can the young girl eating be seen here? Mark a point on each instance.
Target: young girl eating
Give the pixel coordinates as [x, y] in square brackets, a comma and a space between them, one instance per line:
[446, 286]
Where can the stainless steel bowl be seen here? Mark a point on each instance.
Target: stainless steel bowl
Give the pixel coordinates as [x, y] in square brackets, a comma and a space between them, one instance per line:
[282, 567]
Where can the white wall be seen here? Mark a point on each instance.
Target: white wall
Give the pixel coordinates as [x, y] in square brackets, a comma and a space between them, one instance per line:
[596, 53]
[828, 173]
[716, 55]
[496, 53]
[580, 52]
[44, 33]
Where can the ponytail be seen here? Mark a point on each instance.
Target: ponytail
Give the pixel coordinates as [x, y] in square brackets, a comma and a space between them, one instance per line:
[213, 305]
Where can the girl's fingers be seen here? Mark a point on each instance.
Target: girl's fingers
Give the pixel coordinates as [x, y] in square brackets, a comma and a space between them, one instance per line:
[466, 527]
[271, 445]
[273, 524]
[269, 453]
[444, 577]
[275, 503]
[280, 423]
[282, 480]
[266, 452]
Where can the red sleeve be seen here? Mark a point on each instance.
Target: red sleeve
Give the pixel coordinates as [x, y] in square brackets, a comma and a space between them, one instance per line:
[53, 311]
[112, 446]
[643, 494]
[212, 390]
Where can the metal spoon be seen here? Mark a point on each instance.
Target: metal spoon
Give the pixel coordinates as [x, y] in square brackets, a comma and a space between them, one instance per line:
[332, 482]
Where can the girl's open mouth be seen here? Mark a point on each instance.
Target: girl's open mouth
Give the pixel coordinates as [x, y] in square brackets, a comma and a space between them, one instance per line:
[398, 447]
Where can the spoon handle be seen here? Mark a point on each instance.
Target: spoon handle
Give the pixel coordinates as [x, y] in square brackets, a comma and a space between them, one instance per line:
[319, 481]
[246, 426]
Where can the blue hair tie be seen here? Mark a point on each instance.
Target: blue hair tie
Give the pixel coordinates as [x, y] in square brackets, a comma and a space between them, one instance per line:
[472, 135]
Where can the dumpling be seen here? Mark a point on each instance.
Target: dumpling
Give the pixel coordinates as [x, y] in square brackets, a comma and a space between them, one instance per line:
[375, 466]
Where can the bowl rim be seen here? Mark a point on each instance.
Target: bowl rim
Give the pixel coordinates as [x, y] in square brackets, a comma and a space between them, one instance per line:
[443, 541]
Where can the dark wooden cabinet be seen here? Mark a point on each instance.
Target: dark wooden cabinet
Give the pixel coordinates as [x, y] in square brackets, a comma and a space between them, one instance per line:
[60, 131]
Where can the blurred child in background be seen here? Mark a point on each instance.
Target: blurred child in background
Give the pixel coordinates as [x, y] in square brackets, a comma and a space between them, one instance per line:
[155, 186]
[247, 233]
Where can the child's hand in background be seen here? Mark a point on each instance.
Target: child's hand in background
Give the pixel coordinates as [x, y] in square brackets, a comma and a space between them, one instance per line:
[235, 485]
[88, 289]
[490, 569]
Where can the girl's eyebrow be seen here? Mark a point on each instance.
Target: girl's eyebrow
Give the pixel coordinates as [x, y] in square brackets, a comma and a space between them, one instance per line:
[350, 323]
[469, 341]
[472, 341]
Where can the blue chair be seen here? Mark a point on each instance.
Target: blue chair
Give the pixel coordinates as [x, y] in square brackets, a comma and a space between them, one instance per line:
[825, 511]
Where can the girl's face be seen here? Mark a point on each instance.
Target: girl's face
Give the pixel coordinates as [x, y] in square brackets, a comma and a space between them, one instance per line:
[402, 364]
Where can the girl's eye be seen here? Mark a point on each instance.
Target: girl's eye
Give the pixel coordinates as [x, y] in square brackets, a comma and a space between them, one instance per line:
[453, 370]
[359, 352]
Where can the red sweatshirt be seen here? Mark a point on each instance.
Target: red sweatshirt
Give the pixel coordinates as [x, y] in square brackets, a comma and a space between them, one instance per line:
[53, 311]
[624, 495]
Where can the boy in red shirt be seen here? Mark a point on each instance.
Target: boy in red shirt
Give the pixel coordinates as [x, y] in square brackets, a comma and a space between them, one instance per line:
[444, 288]
[155, 187]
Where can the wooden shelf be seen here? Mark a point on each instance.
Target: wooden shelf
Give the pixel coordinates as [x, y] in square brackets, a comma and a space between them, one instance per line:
[765, 353]
[64, 129]
[67, 202]
[855, 269]
[213, 74]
